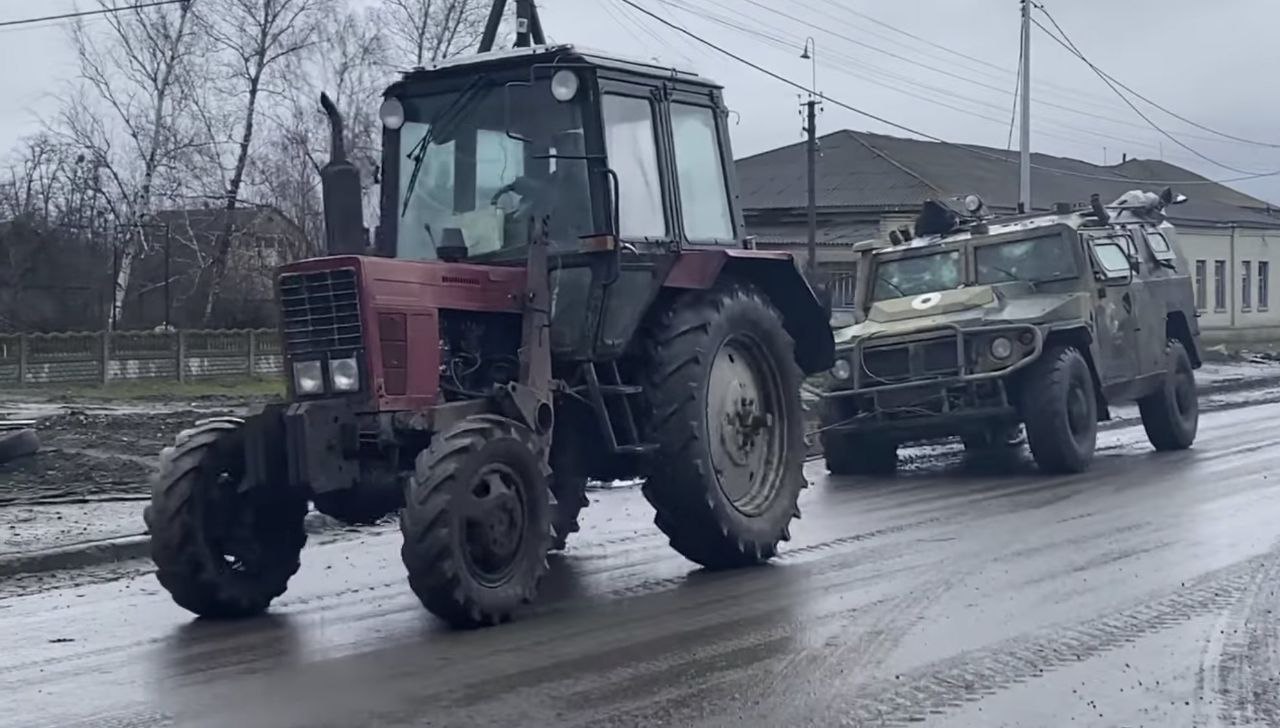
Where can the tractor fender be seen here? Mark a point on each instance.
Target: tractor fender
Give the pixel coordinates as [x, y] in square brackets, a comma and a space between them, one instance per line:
[776, 274]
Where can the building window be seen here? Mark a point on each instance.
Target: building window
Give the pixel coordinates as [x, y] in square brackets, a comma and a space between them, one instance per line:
[1202, 294]
[1220, 285]
[633, 156]
[704, 199]
[1264, 287]
[1246, 285]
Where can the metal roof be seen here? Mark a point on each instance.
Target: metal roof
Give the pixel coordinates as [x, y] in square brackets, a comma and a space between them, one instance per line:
[601, 58]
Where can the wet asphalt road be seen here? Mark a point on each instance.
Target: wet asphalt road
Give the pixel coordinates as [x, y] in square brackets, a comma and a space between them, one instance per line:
[1146, 592]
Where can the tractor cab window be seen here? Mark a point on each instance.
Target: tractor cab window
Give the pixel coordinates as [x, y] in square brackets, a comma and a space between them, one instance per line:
[479, 167]
[704, 200]
[632, 147]
[916, 275]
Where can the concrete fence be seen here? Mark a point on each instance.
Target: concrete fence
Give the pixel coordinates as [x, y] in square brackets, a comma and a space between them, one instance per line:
[101, 357]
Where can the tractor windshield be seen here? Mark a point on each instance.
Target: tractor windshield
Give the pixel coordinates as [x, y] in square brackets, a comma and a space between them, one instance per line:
[479, 166]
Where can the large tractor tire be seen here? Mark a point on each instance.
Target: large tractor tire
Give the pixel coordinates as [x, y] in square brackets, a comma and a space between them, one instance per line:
[725, 412]
[477, 522]
[1060, 410]
[220, 552]
[1171, 416]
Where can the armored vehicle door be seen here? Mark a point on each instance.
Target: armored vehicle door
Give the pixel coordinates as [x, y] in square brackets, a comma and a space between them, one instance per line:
[1153, 284]
[1115, 309]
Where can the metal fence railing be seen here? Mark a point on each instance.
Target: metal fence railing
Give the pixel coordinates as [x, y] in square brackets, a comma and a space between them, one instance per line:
[109, 356]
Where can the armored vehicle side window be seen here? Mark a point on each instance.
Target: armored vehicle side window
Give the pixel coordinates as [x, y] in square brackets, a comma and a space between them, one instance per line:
[633, 154]
[917, 275]
[1038, 260]
[1159, 245]
[703, 199]
[1113, 256]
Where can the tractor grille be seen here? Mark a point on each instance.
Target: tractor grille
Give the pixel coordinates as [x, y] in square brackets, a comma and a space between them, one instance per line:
[903, 362]
[321, 311]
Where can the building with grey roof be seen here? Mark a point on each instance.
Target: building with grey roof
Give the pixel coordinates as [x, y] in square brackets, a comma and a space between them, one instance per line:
[868, 184]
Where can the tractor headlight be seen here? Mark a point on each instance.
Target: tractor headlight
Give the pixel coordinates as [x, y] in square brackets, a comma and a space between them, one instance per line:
[344, 374]
[1001, 348]
[308, 377]
[564, 85]
[392, 114]
[841, 369]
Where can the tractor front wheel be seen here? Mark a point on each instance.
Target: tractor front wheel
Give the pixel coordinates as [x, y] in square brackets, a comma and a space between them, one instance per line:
[219, 551]
[477, 522]
[725, 412]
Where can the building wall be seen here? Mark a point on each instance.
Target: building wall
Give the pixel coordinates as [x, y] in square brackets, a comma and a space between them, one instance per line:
[1235, 274]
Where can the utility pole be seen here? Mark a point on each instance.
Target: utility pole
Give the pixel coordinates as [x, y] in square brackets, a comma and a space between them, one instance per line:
[811, 153]
[1024, 171]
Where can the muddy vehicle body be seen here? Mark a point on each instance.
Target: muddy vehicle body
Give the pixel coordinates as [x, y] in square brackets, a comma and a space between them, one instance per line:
[559, 289]
[985, 328]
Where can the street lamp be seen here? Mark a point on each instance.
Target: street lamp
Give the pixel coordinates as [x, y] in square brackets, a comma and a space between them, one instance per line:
[810, 53]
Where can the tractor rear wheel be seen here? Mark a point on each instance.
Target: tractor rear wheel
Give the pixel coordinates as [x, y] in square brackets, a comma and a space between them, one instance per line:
[221, 552]
[477, 522]
[725, 412]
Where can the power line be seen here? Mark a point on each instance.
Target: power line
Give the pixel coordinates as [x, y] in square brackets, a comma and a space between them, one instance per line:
[1108, 77]
[878, 74]
[1126, 99]
[934, 69]
[87, 13]
[901, 127]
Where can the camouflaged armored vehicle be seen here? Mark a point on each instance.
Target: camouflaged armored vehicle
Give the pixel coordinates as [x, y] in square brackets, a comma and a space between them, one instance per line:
[980, 327]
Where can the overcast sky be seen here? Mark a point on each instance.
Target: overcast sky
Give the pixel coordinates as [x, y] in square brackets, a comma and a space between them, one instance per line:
[1212, 62]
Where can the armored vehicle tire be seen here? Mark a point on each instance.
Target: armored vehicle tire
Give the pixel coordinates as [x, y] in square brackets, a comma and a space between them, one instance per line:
[725, 412]
[570, 492]
[1171, 416]
[1060, 410]
[219, 552]
[477, 522]
[854, 455]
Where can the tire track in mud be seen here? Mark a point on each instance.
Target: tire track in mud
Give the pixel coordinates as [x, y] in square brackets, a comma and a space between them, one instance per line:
[1238, 682]
[970, 676]
[934, 689]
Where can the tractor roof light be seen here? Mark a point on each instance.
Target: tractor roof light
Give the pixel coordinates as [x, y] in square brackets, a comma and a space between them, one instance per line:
[392, 114]
[564, 85]
[973, 204]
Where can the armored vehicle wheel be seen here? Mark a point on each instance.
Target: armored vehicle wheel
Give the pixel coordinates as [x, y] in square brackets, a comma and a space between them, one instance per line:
[853, 455]
[218, 551]
[1060, 410]
[477, 522]
[1171, 416]
[570, 493]
[724, 395]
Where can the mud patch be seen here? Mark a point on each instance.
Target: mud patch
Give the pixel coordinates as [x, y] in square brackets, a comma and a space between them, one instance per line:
[93, 454]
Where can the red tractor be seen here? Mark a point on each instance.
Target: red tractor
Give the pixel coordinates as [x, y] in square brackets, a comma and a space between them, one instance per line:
[560, 289]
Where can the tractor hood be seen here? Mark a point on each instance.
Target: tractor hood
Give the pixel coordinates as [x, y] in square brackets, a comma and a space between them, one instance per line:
[965, 307]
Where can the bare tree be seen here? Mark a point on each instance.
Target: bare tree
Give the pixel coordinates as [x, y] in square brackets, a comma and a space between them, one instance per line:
[425, 31]
[254, 37]
[124, 115]
[349, 62]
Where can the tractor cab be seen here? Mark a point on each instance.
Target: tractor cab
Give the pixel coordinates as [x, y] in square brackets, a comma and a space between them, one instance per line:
[617, 163]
